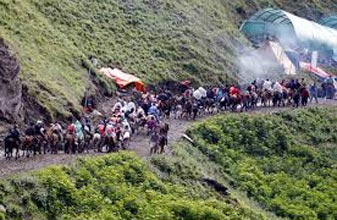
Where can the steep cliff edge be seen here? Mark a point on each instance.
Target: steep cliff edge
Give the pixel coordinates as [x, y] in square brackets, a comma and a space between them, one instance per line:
[10, 85]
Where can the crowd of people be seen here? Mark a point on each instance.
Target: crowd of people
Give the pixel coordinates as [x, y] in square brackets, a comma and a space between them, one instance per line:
[150, 113]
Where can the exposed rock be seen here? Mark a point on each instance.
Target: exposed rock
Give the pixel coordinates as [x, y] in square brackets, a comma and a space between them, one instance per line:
[10, 85]
[188, 138]
[2, 209]
[216, 186]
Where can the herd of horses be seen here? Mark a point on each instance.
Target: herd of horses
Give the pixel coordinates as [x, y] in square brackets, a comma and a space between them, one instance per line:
[50, 142]
[54, 142]
[189, 108]
[178, 107]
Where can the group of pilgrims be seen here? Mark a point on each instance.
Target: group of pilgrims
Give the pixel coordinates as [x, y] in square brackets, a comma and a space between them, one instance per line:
[150, 115]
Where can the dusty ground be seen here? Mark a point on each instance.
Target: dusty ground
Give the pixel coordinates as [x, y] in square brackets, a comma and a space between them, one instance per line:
[138, 144]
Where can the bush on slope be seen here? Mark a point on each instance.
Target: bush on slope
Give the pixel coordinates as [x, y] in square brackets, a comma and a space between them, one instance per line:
[118, 186]
[287, 162]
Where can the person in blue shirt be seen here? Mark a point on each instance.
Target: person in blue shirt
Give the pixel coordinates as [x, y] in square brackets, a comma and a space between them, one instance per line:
[79, 131]
[313, 92]
[153, 110]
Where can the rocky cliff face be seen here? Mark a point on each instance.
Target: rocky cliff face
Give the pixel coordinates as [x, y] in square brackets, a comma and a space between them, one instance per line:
[10, 85]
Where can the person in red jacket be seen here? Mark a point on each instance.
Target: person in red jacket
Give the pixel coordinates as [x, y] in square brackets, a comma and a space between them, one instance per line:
[234, 91]
[304, 96]
[101, 129]
[71, 129]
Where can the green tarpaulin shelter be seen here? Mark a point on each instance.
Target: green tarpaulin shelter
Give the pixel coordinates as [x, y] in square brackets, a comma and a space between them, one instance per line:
[292, 31]
[329, 22]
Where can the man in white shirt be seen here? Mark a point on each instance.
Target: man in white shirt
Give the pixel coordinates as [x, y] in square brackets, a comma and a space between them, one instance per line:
[267, 85]
[278, 87]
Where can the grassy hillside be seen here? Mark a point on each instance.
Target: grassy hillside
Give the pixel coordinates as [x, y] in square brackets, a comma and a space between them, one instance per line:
[118, 186]
[154, 39]
[286, 162]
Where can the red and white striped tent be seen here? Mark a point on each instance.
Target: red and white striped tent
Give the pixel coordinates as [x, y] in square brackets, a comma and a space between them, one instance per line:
[315, 70]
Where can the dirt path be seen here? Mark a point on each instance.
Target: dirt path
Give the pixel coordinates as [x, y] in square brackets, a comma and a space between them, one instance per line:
[139, 144]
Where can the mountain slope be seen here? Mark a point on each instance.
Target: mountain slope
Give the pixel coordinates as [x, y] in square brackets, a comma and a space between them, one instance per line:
[156, 40]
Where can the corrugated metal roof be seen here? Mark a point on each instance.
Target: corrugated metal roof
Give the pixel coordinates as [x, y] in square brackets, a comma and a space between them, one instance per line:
[329, 22]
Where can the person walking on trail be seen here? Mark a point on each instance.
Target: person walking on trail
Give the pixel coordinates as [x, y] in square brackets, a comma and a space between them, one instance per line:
[151, 124]
[324, 88]
[154, 139]
[313, 93]
[330, 88]
[195, 109]
[304, 95]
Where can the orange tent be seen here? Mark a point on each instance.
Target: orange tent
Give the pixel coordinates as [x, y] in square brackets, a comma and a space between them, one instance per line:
[123, 79]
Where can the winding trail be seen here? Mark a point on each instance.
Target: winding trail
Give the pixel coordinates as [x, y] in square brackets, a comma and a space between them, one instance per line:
[139, 144]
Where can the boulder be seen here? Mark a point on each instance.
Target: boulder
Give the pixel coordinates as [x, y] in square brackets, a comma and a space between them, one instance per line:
[2, 209]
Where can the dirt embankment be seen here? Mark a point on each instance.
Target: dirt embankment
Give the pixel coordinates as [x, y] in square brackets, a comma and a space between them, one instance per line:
[10, 85]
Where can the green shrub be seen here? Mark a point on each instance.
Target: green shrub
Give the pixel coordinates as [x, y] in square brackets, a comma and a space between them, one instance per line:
[118, 186]
[283, 161]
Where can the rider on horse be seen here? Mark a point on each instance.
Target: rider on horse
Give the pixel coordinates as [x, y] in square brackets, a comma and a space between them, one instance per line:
[278, 88]
[140, 112]
[252, 88]
[14, 133]
[11, 141]
[56, 128]
[79, 131]
[39, 130]
[267, 85]
[87, 128]
[30, 131]
[153, 110]
[234, 91]
[110, 130]
[101, 129]
[71, 129]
